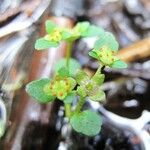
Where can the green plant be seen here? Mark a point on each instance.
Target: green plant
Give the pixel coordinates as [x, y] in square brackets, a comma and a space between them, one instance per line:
[70, 80]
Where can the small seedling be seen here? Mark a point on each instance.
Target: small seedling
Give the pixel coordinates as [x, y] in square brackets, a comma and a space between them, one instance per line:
[70, 81]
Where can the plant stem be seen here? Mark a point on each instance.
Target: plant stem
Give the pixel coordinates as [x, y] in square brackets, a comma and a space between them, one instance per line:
[68, 54]
[80, 104]
[67, 110]
[99, 69]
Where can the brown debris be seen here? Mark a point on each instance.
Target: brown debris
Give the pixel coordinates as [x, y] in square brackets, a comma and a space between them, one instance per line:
[136, 51]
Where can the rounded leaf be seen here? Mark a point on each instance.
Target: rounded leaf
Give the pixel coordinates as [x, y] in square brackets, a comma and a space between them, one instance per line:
[93, 54]
[97, 95]
[70, 97]
[82, 77]
[50, 26]
[107, 40]
[98, 78]
[39, 89]
[72, 83]
[119, 64]
[93, 31]
[73, 66]
[82, 27]
[42, 44]
[87, 122]
[66, 34]
[63, 72]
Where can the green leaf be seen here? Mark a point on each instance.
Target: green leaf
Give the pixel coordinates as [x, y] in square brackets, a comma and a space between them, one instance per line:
[66, 35]
[39, 89]
[75, 33]
[63, 72]
[81, 91]
[107, 40]
[98, 78]
[119, 64]
[81, 77]
[93, 54]
[42, 44]
[70, 36]
[97, 95]
[73, 66]
[50, 26]
[93, 31]
[72, 82]
[86, 122]
[70, 97]
[82, 27]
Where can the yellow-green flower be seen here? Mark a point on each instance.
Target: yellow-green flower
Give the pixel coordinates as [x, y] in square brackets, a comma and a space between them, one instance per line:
[54, 36]
[90, 87]
[107, 57]
[61, 87]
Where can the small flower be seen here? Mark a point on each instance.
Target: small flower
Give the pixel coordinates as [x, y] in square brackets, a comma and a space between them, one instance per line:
[90, 86]
[52, 38]
[107, 57]
[61, 87]
[54, 35]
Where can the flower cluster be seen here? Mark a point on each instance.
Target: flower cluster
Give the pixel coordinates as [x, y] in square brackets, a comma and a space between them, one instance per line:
[61, 87]
[90, 87]
[105, 56]
[54, 35]
[105, 50]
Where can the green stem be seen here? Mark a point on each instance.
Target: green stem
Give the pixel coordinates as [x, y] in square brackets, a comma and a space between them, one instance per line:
[99, 69]
[80, 104]
[68, 53]
[67, 110]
